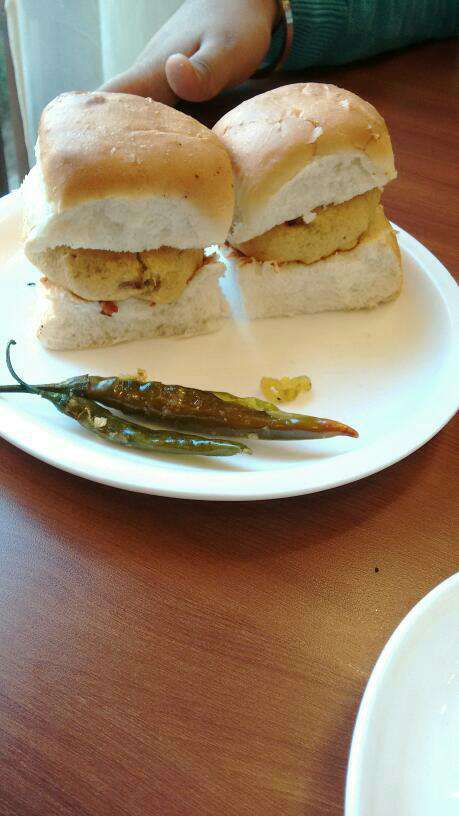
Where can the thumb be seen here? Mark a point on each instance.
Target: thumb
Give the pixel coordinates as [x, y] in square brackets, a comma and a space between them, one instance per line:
[142, 80]
[204, 74]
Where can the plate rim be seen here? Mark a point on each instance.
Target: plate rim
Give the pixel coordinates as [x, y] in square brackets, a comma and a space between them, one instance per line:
[362, 726]
[263, 485]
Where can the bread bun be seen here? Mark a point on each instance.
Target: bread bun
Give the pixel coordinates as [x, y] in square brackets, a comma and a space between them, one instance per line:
[300, 147]
[126, 174]
[66, 322]
[359, 278]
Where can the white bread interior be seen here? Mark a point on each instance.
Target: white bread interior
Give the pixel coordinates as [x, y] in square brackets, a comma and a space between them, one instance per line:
[115, 224]
[300, 147]
[66, 322]
[359, 278]
[123, 173]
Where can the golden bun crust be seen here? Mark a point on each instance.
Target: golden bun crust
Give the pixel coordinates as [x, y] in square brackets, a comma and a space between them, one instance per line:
[274, 136]
[102, 145]
[337, 227]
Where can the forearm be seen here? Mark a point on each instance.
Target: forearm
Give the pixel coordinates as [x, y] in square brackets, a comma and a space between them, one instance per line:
[328, 32]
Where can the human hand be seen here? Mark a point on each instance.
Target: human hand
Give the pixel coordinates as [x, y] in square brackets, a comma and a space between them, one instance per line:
[207, 45]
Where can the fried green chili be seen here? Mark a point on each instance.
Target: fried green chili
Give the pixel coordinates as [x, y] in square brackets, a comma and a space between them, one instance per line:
[211, 412]
[112, 428]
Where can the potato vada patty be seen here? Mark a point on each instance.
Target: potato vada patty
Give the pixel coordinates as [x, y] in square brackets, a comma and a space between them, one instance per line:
[336, 227]
[157, 275]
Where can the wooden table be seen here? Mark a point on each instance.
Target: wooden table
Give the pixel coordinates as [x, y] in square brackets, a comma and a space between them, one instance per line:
[170, 657]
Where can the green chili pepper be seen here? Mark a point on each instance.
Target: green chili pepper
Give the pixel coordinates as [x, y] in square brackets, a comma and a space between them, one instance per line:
[112, 428]
[212, 412]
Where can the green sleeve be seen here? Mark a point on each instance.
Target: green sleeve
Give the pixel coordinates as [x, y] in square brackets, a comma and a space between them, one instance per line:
[333, 32]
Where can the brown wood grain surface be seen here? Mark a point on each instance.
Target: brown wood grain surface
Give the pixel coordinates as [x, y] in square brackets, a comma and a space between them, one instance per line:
[178, 658]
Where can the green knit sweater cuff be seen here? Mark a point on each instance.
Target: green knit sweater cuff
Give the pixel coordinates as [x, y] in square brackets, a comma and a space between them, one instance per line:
[333, 32]
[317, 26]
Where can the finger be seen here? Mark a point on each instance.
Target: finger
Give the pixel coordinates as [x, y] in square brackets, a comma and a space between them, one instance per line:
[213, 67]
[143, 80]
[146, 77]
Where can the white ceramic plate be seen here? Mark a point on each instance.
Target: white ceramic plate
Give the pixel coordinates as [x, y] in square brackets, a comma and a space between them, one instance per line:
[404, 758]
[390, 372]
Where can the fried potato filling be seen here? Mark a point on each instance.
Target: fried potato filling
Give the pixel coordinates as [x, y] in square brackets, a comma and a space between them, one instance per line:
[156, 275]
[336, 227]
